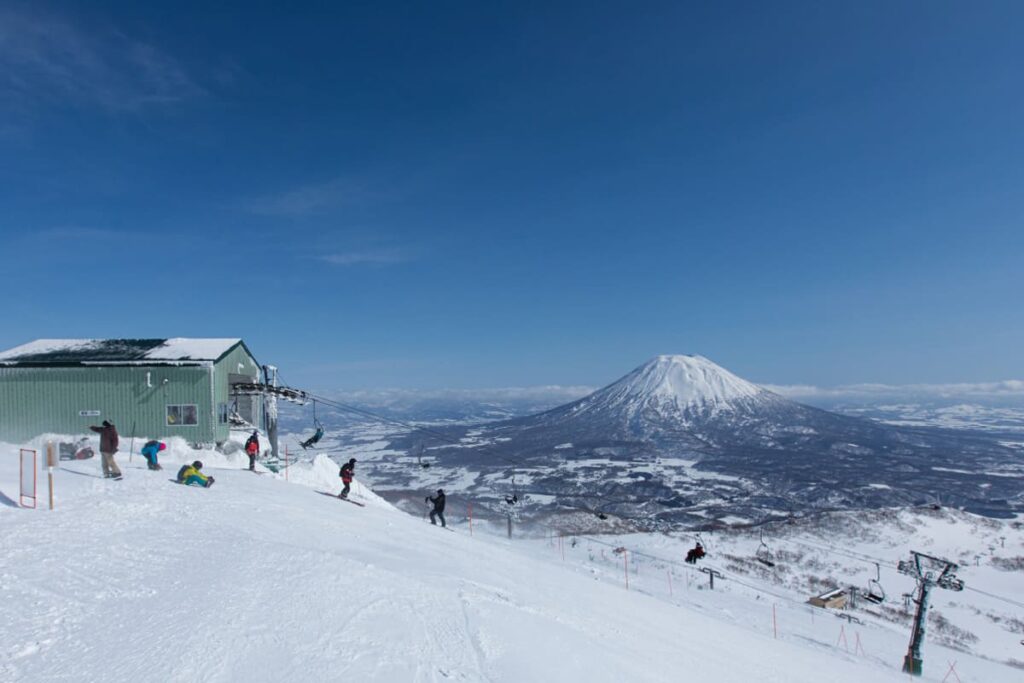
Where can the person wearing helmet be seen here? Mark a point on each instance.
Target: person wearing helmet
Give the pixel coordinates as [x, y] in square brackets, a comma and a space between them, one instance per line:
[191, 475]
[347, 472]
[150, 451]
[438, 510]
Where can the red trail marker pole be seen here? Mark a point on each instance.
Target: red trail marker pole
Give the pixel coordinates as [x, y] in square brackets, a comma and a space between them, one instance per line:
[625, 566]
[842, 638]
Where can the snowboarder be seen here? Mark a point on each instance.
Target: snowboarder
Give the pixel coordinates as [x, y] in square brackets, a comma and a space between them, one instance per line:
[252, 449]
[313, 440]
[695, 554]
[190, 475]
[346, 473]
[150, 451]
[108, 446]
[438, 510]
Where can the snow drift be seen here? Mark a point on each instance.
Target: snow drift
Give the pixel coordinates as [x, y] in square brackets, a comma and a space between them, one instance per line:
[264, 580]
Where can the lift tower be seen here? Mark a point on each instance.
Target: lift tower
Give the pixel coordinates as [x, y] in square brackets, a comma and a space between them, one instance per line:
[928, 571]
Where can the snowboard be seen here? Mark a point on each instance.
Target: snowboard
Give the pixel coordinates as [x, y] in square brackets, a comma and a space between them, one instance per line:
[190, 486]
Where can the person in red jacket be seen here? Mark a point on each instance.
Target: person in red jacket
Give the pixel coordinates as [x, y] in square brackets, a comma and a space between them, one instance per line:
[108, 446]
[252, 449]
[346, 474]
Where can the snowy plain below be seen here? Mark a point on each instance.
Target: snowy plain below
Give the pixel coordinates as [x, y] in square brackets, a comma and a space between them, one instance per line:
[262, 579]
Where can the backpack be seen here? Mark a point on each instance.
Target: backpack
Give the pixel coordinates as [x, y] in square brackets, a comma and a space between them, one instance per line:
[181, 473]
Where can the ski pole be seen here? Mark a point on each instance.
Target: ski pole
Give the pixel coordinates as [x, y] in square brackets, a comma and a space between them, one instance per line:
[131, 449]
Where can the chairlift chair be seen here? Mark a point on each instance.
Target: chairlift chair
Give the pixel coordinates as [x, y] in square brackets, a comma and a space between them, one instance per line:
[419, 457]
[317, 435]
[875, 592]
[514, 498]
[764, 553]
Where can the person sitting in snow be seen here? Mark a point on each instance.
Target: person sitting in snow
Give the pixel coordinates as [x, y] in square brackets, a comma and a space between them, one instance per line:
[347, 472]
[150, 450]
[438, 510]
[190, 475]
[252, 449]
[695, 554]
[313, 440]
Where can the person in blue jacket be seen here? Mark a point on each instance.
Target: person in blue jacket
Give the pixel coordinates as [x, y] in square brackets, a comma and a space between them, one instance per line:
[150, 451]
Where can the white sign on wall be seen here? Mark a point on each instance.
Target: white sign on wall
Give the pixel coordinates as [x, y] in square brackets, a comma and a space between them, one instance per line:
[88, 413]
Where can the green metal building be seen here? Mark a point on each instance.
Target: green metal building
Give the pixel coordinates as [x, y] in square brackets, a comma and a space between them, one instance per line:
[151, 388]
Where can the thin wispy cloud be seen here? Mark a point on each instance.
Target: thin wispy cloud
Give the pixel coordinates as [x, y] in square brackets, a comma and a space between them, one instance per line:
[46, 59]
[309, 199]
[380, 257]
[1004, 388]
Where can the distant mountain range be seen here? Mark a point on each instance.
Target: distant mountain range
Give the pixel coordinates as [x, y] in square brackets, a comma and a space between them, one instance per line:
[681, 440]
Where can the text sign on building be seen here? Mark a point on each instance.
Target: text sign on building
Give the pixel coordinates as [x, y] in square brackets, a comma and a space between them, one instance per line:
[88, 413]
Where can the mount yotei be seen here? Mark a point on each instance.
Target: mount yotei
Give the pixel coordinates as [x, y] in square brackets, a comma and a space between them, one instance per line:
[681, 440]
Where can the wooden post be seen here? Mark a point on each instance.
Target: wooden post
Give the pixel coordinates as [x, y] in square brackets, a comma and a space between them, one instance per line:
[51, 462]
[286, 463]
[561, 546]
[775, 622]
[470, 508]
[510, 526]
[669, 573]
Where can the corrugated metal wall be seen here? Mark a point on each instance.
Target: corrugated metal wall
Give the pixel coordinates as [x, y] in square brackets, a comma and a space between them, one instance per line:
[35, 401]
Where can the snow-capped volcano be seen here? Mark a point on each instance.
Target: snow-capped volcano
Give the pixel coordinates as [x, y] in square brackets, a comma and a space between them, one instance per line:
[687, 432]
[686, 383]
[670, 396]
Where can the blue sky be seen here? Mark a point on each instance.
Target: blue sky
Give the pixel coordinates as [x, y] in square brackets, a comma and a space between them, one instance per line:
[488, 194]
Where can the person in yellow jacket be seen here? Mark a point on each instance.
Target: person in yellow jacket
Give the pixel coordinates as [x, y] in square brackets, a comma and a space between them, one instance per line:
[190, 475]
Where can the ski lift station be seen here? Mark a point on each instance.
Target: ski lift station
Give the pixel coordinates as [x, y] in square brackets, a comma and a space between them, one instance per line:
[154, 388]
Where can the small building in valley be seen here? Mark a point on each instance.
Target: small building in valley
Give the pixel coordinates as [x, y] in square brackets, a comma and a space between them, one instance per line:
[833, 599]
[152, 388]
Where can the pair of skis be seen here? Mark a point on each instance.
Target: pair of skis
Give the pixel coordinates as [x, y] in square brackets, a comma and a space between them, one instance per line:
[337, 497]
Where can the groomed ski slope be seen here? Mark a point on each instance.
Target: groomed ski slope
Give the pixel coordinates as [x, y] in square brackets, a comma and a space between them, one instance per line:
[258, 579]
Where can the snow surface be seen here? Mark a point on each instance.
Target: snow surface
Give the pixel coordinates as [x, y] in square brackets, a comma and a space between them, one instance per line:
[178, 348]
[685, 380]
[181, 348]
[262, 579]
[47, 346]
[680, 385]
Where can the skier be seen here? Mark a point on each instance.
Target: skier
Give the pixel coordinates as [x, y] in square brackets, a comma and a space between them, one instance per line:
[190, 475]
[252, 449]
[695, 554]
[150, 451]
[313, 440]
[108, 446]
[346, 473]
[438, 510]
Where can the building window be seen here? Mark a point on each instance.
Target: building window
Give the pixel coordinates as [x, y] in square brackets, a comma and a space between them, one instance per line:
[182, 415]
[222, 413]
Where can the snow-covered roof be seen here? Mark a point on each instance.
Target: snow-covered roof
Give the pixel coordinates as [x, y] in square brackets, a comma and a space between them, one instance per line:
[117, 351]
